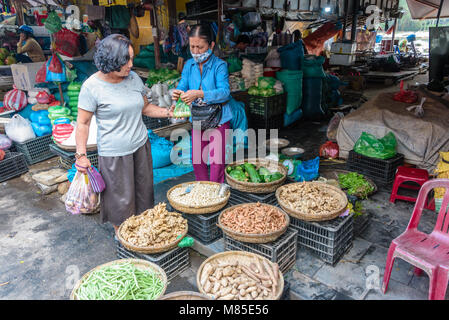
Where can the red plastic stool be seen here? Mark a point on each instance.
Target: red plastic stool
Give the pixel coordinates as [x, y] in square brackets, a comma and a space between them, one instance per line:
[405, 174]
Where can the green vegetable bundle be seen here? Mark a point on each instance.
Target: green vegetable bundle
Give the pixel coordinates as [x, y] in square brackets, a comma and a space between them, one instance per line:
[161, 75]
[355, 184]
[182, 110]
[257, 91]
[248, 172]
[122, 281]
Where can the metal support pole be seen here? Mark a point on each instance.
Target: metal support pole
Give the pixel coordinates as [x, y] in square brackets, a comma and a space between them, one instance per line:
[345, 23]
[220, 22]
[155, 31]
[394, 34]
[354, 20]
[439, 11]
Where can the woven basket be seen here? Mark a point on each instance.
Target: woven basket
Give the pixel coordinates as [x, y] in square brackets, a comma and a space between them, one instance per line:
[149, 250]
[243, 258]
[333, 174]
[253, 238]
[196, 209]
[340, 195]
[251, 187]
[185, 295]
[139, 263]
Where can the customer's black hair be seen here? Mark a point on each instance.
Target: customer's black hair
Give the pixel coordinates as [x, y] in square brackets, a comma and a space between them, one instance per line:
[112, 53]
[203, 31]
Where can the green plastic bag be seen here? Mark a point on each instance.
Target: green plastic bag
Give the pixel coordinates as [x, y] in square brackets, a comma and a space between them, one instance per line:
[182, 110]
[234, 64]
[53, 23]
[384, 148]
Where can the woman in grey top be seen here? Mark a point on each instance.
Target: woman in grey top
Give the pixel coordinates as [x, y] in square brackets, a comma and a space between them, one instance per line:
[116, 96]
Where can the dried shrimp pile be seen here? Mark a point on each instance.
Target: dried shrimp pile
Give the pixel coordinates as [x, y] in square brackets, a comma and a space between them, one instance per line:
[154, 227]
[254, 218]
[309, 199]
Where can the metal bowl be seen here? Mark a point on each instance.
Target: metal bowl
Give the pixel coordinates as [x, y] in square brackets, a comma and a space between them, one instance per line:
[277, 143]
[293, 152]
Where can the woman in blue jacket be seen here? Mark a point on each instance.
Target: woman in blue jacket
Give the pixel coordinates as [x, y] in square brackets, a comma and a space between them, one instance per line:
[205, 86]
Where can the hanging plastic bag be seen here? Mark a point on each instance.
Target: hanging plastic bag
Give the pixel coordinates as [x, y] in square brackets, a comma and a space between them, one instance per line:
[5, 142]
[384, 148]
[307, 170]
[81, 198]
[15, 100]
[98, 184]
[182, 110]
[66, 42]
[329, 150]
[41, 74]
[19, 129]
[43, 97]
[55, 63]
[53, 23]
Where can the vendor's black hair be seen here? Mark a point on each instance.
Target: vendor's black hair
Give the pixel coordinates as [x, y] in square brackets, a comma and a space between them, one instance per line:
[112, 53]
[181, 16]
[203, 31]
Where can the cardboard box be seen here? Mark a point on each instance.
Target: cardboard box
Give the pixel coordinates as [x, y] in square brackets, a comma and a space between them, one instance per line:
[24, 74]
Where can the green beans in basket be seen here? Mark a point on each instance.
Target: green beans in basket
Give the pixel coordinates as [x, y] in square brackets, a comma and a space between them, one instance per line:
[122, 281]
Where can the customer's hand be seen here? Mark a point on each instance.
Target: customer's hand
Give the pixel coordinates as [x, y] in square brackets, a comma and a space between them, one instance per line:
[177, 94]
[82, 164]
[190, 96]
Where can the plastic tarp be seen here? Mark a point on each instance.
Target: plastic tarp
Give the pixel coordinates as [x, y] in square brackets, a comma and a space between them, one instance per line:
[419, 139]
[427, 9]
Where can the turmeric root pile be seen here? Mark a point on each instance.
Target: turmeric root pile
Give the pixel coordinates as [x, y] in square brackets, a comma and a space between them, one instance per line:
[154, 227]
[259, 280]
[254, 219]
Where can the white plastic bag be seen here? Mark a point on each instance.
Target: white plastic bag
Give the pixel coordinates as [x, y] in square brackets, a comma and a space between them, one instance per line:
[19, 129]
[5, 142]
[81, 198]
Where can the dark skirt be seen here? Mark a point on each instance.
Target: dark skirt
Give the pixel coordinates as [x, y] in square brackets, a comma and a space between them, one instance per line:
[129, 185]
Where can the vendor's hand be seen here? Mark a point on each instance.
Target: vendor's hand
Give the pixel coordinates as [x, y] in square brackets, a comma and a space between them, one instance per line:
[82, 164]
[177, 94]
[190, 96]
[21, 37]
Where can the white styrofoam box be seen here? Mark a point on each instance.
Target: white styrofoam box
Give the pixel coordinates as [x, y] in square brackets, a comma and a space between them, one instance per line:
[344, 47]
[24, 74]
[342, 59]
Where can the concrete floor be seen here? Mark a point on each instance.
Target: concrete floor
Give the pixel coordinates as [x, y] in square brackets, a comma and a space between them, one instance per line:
[44, 249]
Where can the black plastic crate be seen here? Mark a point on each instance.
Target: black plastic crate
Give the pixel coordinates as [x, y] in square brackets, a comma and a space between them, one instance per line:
[361, 223]
[267, 107]
[199, 6]
[282, 251]
[173, 262]
[238, 197]
[203, 227]
[379, 170]
[67, 158]
[155, 123]
[260, 122]
[14, 164]
[326, 238]
[334, 257]
[36, 150]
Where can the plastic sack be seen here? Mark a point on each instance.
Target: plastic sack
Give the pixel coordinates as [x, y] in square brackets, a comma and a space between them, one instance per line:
[406, 96]
[81, 197]
[333, 126]
[182, 110]
[19, 129]
[160, 150]
[66, 42]
[368, 145]
[41, 130]
[43, 97]
[15, 99]
[98, 184]
[53, 23]
[292, 56]
[329, 150]
[55, 76]
[41, 74]
[5, 142]
[2, 154]
[307, 170]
